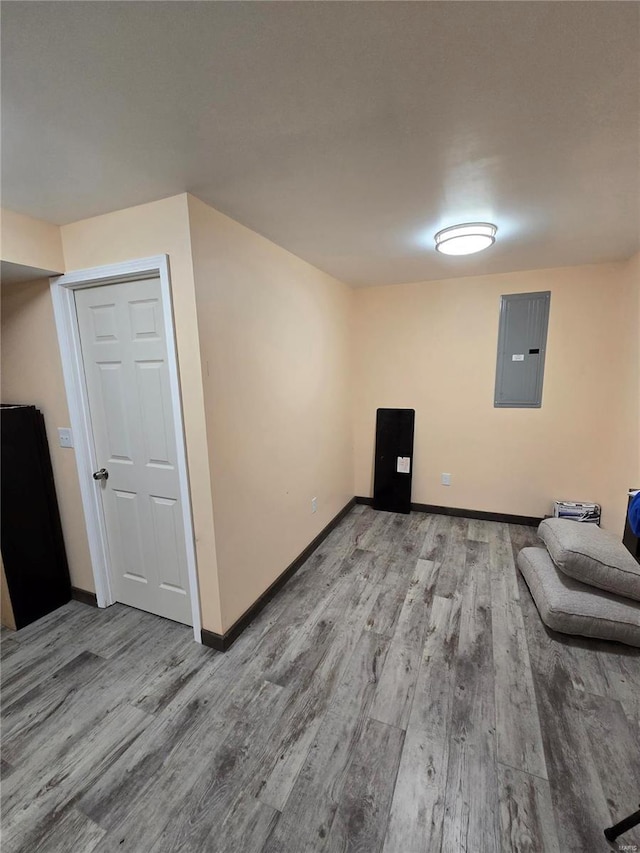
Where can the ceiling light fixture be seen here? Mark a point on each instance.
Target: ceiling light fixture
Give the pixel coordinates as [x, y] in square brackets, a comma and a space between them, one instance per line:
[466, 239]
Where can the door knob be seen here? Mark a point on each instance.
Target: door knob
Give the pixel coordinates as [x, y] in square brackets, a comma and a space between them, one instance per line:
[102, 474]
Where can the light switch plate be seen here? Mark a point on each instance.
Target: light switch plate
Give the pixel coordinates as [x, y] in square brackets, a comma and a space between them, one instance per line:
[65, 437]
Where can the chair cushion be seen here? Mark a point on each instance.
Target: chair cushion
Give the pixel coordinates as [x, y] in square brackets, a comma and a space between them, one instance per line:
[571, 607]
[591, 555]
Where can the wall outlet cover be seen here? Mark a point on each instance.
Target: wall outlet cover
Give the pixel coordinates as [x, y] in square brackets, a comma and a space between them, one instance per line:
[65, 437]
[445, 479]
[314, 504]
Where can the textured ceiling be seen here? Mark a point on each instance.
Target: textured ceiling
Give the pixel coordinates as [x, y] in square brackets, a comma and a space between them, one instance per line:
[346, 132]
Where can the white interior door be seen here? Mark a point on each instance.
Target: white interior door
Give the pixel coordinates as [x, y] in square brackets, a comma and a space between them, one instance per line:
[124, 350]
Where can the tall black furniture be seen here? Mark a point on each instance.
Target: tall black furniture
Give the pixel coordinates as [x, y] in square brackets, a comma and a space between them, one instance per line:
[394, 460]
[33, 553]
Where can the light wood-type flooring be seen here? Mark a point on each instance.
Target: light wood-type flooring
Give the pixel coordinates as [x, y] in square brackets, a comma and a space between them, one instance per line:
[400, 694]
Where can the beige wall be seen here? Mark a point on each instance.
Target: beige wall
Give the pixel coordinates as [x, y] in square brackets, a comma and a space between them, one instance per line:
[432, 346]
[631, 278]
[30, 242]
[162, 227]
[32, 373]
[274, 343]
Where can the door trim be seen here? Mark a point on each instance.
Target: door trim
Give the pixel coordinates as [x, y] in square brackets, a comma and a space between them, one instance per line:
[64, 308]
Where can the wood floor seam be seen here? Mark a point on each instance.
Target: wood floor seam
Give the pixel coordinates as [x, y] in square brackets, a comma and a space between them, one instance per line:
[520, 770]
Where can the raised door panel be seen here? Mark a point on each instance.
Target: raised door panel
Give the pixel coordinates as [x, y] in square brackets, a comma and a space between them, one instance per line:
[154, 397]
[110, 397]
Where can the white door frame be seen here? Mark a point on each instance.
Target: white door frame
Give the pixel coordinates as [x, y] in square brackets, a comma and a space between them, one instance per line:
[64, 308]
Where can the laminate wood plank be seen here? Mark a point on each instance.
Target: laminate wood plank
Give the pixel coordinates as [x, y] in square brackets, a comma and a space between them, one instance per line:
[76, 766]
[169, 744]
[66, 721]
[68, 830]
[518, 737]
[312, 804]
[319, 673]
[394, 696]
[121, 637]
[142, 814]
[346, 536]
[584, 665]
[469, 821]
[410, 533]
[5, 768]
[8, 646]
[204, 806]
[296, 731]
[414, 615]
[522, 536]
[298, 600]
[624, 685]
[62, 635]
[137, 825]
[175, 672]
[362, 815]
[572, 771]
[613, 740]
[527, 822]
[325, 561]
[53, 628]
[27, 671]
[451, 575]
[351, 600]
[380, 535]
[415, 822]
[42, 646]
[368, 563]
[384, 614]
[618, 654]
[77, 706]
[480, 530]
[436, 538]
[28, 713]
[246, 826]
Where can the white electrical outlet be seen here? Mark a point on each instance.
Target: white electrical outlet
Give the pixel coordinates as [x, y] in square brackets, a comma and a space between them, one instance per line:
[445, 479]
[314, 504]
[65, 437]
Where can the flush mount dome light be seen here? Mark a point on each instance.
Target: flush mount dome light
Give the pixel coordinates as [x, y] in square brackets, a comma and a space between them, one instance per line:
[466, 239]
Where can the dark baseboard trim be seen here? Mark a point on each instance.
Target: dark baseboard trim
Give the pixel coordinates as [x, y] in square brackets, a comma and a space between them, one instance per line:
[213, 640]
[84, 596]
[508, 518]
[365, 501]
[221, 642]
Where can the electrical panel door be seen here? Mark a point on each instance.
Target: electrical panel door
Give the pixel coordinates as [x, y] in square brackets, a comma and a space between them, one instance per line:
[522, 342]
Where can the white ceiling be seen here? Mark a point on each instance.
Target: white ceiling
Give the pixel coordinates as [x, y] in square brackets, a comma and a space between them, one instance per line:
[346, 132]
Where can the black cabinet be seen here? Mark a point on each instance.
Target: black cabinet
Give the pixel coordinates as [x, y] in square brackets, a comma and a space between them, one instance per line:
[33, 553]
[394, 460]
